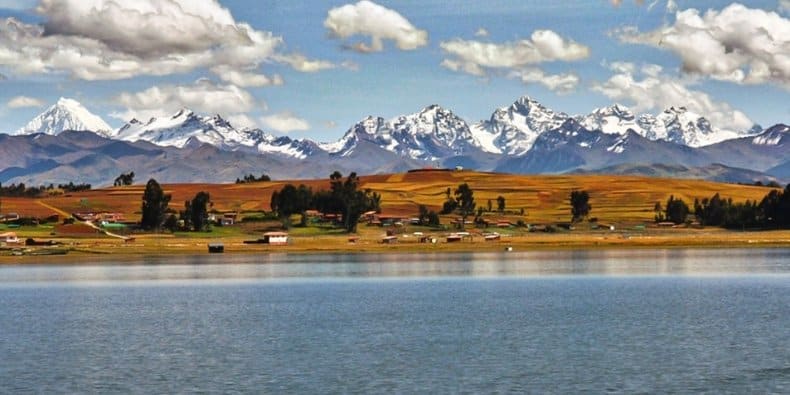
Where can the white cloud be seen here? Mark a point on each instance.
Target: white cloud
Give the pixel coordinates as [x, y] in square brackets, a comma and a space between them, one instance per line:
[203, 96]
[649, 90]
[285, 122]
[108, 40]
[245, 78]
[560, 83]
[784, 6]
[474, 57]
[367, 18]
[24, 101]
[738, 44]
[621, 67]
[301, 63]
[145, 28]
[481, 32]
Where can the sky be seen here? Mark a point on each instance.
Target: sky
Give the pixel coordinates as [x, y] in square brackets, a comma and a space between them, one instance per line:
[313, 69]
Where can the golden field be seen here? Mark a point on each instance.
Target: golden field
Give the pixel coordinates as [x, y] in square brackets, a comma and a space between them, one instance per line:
[544, 198]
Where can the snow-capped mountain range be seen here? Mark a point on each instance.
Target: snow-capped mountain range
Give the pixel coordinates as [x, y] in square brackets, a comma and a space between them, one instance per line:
[66, 141]
[429, 135]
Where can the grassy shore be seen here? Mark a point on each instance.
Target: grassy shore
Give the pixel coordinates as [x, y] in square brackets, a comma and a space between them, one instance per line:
[369, 241]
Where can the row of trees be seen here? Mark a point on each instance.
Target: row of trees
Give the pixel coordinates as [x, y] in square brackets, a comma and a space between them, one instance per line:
[22, 190]
[157, 214]
[462, 201]
[773, 211]
[344, 198]
[124, 179]
[251, 178]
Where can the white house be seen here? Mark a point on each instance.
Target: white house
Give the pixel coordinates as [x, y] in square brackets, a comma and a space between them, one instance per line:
[275, 238]
[9, 238]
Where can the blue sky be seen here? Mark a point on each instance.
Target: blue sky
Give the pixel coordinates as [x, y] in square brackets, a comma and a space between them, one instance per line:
[312, 69]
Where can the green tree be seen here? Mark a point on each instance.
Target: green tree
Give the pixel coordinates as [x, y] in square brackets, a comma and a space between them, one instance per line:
[353, 202]
[124, 179]
[292, 200]
[676, 210]
[428, 217]
[198, 211]
[450, 204]
[154, 207]
[171, 223]
[580, 205]
[464, 197]
[186, 215]
[658, 212]
[711, 212]
[249, 178]
[500, 203]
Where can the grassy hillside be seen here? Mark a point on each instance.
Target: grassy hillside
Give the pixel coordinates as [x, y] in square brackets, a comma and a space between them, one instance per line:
[623, 199]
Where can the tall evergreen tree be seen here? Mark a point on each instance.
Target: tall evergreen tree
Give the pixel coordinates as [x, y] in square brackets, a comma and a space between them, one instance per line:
[580, 205]
[464, 197]
[154, 207]
[199, 211]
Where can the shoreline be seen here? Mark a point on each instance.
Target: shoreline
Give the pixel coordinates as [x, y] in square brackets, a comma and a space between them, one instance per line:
[101, 251]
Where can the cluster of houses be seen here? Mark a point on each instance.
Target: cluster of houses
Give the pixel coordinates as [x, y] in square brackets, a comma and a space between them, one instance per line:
[454, 237]
[109, 219]
[105, 219]
[224, 219]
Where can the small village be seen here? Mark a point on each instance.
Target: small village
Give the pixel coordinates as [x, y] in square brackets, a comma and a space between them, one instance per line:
[420, 210]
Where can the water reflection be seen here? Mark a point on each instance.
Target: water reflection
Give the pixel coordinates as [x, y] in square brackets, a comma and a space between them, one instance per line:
[515, 264]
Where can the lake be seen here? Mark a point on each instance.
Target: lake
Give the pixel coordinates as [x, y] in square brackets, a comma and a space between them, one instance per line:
[677, 320]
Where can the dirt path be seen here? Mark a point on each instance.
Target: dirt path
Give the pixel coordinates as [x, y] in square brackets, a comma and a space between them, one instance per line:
[89, 223]
[53, 208]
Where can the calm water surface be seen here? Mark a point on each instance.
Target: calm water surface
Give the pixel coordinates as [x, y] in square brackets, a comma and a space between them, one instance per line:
[713, 321]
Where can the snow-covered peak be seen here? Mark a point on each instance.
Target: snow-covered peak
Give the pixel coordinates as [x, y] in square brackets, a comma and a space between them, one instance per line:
[513, 129]
[616, 119]
[183, 127]
[66, 114]
[266, 143]
[775, 135]
[681, 126]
